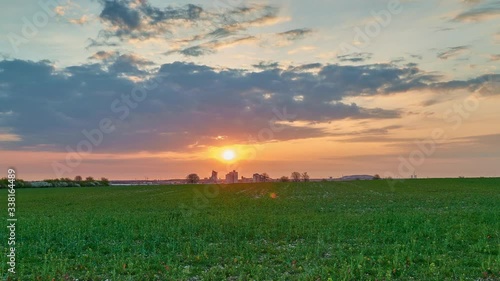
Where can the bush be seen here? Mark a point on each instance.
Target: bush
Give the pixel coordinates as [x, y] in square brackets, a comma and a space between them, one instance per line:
[284, 179]
[41, 184]
[62, 182]
[104, 182]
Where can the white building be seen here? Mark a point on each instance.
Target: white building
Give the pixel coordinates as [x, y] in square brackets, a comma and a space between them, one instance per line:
[232, 177]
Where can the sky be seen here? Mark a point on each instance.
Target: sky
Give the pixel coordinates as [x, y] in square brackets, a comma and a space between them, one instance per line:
[160, 89]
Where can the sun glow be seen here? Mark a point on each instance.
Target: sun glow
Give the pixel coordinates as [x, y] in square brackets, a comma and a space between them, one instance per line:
[228, 155]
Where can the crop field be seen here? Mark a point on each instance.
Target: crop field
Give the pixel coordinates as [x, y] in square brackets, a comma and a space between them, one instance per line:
[432, 229]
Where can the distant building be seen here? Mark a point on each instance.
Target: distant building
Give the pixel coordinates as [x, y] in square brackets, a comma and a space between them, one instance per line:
[246, 180]
[259, 178]
[232, 177]
[214, 177]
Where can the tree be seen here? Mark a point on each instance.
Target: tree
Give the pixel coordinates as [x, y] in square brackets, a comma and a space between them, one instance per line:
[4, 182]
[89, 179]
[284, 179]
[265, 176]
[104, 181]
[376, 177]
[192, 178]
[305, 176]
[78, 178]
[296, 176]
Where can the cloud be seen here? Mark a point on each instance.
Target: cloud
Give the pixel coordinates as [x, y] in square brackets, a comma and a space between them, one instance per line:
[379, 135]
[213, 46]
[452, 52]
[355, 57]
[282, 39]
[59, 10]
[127, 19]
[419, 57]
[69, 7]
[102, 55]
[190, 30]
[302, 49]
[487, 85]
[480, 13]
[80, 21]
[5, 134]
[9, 138]
[49, 107]
[295, 34]
[266, 65]
[73, 13]
[96, 43]
[122, 63]
[129, 63]
[305, 67]
[472, 2]
[119, 14]
[189, 12]
[495, 57]
[490, 140]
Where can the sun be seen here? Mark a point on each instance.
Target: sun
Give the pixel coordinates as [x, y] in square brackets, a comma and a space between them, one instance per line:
[228, 155]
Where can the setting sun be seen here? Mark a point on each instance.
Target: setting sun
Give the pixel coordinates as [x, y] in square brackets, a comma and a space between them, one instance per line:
[228, 155]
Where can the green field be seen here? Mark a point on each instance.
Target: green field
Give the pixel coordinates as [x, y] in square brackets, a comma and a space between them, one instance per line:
[437, 229]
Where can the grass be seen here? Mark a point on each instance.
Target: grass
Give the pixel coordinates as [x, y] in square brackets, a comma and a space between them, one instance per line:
[437, 229]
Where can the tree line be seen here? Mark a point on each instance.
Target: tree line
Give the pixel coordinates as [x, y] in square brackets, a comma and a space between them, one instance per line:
[78, 181]
[296, 177]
